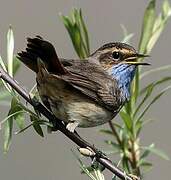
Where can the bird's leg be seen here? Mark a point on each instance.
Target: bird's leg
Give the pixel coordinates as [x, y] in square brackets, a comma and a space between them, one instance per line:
[72, 125]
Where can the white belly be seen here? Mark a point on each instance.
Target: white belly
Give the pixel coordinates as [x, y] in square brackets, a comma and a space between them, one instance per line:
[86, 113]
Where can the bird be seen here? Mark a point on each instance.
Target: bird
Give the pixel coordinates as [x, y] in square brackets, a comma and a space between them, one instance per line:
[83, 92]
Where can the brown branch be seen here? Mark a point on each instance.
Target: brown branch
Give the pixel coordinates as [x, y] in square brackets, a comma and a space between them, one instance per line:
[60, 126]
[114, 132]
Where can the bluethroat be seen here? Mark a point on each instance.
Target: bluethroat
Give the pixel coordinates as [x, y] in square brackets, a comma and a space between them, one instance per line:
[83, 93]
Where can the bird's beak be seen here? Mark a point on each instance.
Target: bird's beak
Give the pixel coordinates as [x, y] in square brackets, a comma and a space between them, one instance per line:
[133, 59]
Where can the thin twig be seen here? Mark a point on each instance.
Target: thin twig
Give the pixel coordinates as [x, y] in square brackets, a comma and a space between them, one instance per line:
[114, 132]
[60, 126]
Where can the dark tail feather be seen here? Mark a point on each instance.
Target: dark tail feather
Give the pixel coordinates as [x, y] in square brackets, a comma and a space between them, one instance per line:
[38, 48]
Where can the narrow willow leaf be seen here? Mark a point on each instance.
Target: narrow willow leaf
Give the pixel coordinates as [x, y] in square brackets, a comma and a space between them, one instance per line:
[10, 50]
[146, 151]
[166, 9]
[153, 101]
[89, 168]
[127, 120]
[127, 38]
[78, 33]
[19, 119]
[8, 126]
[99, 175]
[145, 165]
[2, 64]
[155, 84]
[85, 33]
[159, 25]
[106, 131]
[16, 65]
[7, 86]
[40, 122]
[134, 89]
[4, 83]
[24, 129]
[160, 69]
[9, 116]
[147, 27]
[83, 167]
[36, 126]
[113, 144]
[148, 93]
[4, 94]
[156, 151]
[139, 124]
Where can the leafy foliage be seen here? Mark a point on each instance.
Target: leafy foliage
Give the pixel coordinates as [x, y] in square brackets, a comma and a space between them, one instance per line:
[17, 109]
[126, 140]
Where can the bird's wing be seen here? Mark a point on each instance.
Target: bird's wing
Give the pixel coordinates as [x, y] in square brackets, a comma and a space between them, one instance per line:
[91, 80]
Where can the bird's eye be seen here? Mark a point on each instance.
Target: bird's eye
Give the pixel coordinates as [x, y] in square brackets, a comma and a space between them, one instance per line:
[116, 55]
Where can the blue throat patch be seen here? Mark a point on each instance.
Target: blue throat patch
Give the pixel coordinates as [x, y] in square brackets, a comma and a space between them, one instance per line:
[124, 74]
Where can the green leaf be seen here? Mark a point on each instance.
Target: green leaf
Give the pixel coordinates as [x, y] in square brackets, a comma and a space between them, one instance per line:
[156, 151]
[134, 89]
[78, 33]
[3, 64]
[159, 24]
[106, 131]
[160, 69]
[154, 84]
[10, 50]
[166, 9]
[4, 95]
[113, 144]
[16, 65]
[147, 151]
[4, 83]
[153, 101]
[83, 167]
[145, 165]
[139, 124]
[127, 36]
[36, 125]
[147, 27]
[40, 122]
[8, 126]
[127, 120]
[85, 34]
[148, 93]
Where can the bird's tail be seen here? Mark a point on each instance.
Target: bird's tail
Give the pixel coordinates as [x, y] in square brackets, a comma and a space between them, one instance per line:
[39, 48]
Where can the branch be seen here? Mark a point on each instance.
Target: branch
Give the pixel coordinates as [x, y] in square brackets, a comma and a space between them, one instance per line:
[60, 126]
[115, 132]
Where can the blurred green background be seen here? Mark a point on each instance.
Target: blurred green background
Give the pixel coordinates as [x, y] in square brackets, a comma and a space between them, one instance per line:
[32, 157]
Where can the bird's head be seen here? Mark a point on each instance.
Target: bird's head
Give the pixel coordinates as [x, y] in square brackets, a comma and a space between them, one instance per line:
[120, 61]
[116, 54]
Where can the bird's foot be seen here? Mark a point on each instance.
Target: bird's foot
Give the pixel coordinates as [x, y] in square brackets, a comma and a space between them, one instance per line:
[87, 152]
[71, 126]
[94, 155]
